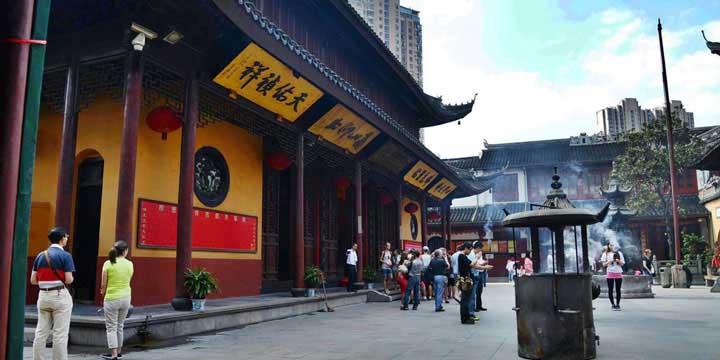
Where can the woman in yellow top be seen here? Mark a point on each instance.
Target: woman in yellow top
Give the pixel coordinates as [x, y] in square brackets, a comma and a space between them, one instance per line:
[116, 275]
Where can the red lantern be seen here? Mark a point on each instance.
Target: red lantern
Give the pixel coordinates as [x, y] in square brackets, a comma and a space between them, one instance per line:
[434, 216]
[278, 160]
[342, 183]
[163, 119]
[411, 208]
[385, 199]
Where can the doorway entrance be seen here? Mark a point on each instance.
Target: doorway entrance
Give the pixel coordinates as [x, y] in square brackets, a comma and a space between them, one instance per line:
[87, 227]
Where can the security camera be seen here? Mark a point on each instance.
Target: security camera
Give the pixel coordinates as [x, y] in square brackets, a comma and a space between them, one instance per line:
[138, 42]
[144, 33]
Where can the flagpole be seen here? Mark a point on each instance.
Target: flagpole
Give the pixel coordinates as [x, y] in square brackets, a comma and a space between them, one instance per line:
[671, 152]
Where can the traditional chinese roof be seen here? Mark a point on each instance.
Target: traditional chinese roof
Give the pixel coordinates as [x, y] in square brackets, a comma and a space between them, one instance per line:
[465, 188]
[493, 213]
[713, 46]
[538, 153]
[446, 113]
[480, 183]
[710, 158]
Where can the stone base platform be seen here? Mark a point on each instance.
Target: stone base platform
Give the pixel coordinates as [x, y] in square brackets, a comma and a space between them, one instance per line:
[157, 323]
[633, 286]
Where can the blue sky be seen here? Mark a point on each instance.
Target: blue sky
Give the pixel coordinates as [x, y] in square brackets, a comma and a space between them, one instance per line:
[543, 68]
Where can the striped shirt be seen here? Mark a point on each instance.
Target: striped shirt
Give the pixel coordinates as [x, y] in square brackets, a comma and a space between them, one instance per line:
[61, 261]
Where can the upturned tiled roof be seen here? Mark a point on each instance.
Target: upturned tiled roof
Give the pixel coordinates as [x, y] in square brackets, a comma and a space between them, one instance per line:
[538, 153]
[493, 213]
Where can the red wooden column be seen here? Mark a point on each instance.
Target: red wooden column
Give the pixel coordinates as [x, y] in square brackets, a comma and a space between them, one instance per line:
[66, 163]
[359, 218]
[423, 221]
[443, 225]
[12, 102]
[449, 224]
[183, 250]
[299, 280]
[128, 148]
[399, 216]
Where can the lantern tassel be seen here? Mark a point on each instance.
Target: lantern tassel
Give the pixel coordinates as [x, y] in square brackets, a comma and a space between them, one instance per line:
[164, 136]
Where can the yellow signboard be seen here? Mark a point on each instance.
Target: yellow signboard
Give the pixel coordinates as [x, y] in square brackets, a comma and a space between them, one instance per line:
[258, 76]
[442, 188]
[343, 128]
[420, 175]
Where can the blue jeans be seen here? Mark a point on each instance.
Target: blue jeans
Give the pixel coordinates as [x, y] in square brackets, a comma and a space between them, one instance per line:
[414, 286]
[476, 283]
[510, 276]
[439, 287]
[649, 275]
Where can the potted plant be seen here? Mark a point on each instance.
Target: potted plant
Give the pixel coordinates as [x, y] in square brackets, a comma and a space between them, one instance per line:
[369, 276]
[199, 283]
[313, 279]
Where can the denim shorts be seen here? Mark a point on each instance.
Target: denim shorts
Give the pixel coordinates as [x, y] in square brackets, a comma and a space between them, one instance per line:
[386, 272]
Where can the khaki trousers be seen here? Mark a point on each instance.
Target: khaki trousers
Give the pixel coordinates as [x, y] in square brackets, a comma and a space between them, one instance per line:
[54, 310]
[115, 313]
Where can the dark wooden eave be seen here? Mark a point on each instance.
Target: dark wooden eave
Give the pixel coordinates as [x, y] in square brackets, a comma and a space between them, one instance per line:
[266, 34]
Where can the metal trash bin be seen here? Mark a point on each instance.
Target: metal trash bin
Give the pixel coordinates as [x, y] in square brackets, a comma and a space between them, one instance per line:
[665, 277]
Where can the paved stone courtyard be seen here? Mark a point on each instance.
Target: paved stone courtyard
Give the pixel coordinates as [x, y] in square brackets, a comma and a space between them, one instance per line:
[677, 324]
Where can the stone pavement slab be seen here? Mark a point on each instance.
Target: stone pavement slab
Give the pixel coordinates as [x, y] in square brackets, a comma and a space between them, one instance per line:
[677, 324]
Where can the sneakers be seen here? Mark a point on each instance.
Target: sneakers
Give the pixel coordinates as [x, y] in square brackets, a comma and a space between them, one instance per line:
[404, 307]
[475, 318]
[616, 308]
[414, 307]
[468, 322]
[481, 309]
[439, 310]
[110, 357]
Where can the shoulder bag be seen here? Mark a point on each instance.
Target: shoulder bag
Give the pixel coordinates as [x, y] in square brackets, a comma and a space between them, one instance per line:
[52, 268]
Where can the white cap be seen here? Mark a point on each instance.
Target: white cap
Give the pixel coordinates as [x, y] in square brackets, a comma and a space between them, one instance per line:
[426, 248]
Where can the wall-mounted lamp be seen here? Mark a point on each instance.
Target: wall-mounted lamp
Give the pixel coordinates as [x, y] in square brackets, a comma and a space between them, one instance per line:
[173, 37]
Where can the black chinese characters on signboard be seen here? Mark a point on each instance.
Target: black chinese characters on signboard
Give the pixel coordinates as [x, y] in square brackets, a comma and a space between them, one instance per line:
[212, 178]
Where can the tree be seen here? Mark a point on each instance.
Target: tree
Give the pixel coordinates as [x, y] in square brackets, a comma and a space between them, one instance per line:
[645, 166]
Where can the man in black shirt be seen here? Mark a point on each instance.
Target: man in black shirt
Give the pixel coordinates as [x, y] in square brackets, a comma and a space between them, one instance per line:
[464, 265]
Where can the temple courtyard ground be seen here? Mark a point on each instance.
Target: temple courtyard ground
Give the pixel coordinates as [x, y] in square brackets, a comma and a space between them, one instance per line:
[676, 324]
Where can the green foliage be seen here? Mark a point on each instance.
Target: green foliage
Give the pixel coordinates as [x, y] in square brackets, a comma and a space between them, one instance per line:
[644, 165]
[369, 274]
[314, 277]
[695, 245]
[199, 283]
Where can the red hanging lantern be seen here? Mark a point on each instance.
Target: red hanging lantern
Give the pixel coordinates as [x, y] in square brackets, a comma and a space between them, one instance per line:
[411, 208]
[163, 119]
[434, 216]
[385, 199]
[278, 160]
[342, 183]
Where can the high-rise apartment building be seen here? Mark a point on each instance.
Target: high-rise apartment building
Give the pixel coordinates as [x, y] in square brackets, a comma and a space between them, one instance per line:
[628, 116]
[398, 27]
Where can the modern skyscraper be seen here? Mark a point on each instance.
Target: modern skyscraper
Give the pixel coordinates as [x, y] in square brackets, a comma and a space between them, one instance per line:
[628, 116]
[398, 27]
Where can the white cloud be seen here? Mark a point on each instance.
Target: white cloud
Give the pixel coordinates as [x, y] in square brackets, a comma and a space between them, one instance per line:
[525, 105]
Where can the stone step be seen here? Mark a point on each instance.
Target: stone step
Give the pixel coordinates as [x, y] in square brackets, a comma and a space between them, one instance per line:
[380, 296]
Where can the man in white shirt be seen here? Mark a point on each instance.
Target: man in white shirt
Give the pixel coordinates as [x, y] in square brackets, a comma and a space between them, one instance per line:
[454, 275]
[351, 260]
[426, 258]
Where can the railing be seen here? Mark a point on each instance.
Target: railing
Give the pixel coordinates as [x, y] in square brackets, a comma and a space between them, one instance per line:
[695, 266]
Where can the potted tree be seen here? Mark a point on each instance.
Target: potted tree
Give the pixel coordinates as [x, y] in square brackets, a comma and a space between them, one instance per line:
[313, 279]
[369, 276]
[199, 283]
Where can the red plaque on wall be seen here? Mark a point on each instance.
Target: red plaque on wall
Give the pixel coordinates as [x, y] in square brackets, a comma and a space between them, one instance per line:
[212, 230]
[409, 244]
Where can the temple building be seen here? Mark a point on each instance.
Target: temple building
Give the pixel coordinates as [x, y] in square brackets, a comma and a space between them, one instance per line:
[584, 164]
[252, 138]
[709, 162]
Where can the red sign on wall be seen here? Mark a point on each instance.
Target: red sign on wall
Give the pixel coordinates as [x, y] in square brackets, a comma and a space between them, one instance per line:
[409, 245]
[211, 230]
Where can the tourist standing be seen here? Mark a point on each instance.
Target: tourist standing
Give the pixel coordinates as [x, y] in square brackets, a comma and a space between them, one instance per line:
[402, 273]
[454, 274]
[437, 268]
[351, 260]
[647, 266]
[478, 271]
[427, 277]
[386, 264]
[448, 273]
[510, 267]
[117, 272]
[415, 269]
[464, 275]
[613, 262]
[528, 265]
[397, 260]
[52, 271]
